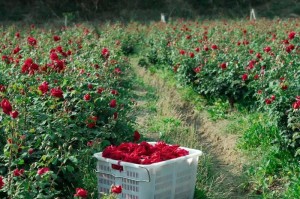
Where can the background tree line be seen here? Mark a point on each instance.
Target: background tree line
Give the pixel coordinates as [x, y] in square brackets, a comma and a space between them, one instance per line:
[40, 10]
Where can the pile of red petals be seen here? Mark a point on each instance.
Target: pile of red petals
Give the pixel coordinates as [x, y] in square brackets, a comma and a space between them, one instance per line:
[143, 153]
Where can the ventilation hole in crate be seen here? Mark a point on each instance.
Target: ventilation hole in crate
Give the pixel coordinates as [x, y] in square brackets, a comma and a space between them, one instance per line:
[103, 167]
[104, 190]
[132, 174]
[128, 181]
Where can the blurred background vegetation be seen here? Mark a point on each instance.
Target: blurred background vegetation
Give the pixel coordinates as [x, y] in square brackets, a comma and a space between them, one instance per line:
[142, 10]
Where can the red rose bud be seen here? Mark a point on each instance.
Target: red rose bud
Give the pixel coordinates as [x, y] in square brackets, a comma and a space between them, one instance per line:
[245, 77]
[100, 90]
[268, 101]
[17, 34]
[82, 193]
[43, 170]
[91, 121]
[57, 92]
[105, 53]
[1, 182]
[284, 87]
[182, 52]
[87, 97]
[223, 66]
[90, 86]
[6, 106]
[56, 38]
[53, 56]
[30, 151]
[273, 97]
[2, 88]
[113, 103]
[114, 92]
[296, 105]
[267, 49]
[192, 55]
[117, 189]
[90, 143]
[16, 50]
[136, 136]
[44, 88]
[197, 70]
[31, 41]
[292, 35]
[115, 115]
[14, 114]
[205, 48]
[18, 172]
[197, 49]
[214, 47]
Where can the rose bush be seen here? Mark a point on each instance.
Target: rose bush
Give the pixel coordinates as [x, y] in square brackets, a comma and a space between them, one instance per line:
[239, 61]
[64, 94]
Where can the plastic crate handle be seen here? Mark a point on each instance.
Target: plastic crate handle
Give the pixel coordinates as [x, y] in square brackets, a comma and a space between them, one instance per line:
[134, 179]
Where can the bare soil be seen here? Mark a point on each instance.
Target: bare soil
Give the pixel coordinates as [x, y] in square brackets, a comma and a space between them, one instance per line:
[227, 162]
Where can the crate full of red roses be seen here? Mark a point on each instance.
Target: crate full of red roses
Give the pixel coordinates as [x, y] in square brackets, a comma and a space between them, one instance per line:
[148, 170]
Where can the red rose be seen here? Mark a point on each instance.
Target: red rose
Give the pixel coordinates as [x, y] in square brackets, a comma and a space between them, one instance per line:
[116, 189]
[223, 66]
[18, 172]
[80, 192]
[57, 92]
[113, 103]
[258, 55]
[273, 97]
[14, 114]
[214, 47]
[17, 34]
[114, 92]
[256, 76]
[197, 69]
[43, 170]
[53, 56]
[205, 48]
[117, 70]
[197, 49]
[192, 55]
[245, 77]
[100, 90]
[87, 97]
[296, 105]
[267, 49]
[268, 101]
[30, 151]
[2, 88]
[56, 38]
[90, 86]
[105, 53]
[292, 35]
[31, 41]
[44, 88]
[1, 182]
[136, 136]
[6, 106]
[16, 50]
[182, 52]
[91, 121]
[115, 115]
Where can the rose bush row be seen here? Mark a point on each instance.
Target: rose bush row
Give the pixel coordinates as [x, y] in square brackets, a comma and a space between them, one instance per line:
[239, 61]
[65, 93]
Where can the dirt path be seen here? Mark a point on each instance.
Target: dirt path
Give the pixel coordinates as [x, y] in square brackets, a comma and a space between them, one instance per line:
[226, 162]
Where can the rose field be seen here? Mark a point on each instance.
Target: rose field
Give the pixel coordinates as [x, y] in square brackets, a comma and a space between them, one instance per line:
[228, 88]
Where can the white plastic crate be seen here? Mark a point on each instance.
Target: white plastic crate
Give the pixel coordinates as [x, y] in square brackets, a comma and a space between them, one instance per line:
[171, 179]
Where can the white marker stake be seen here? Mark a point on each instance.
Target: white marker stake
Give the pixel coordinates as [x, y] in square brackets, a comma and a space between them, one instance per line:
[162, 17]
[252, 14]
